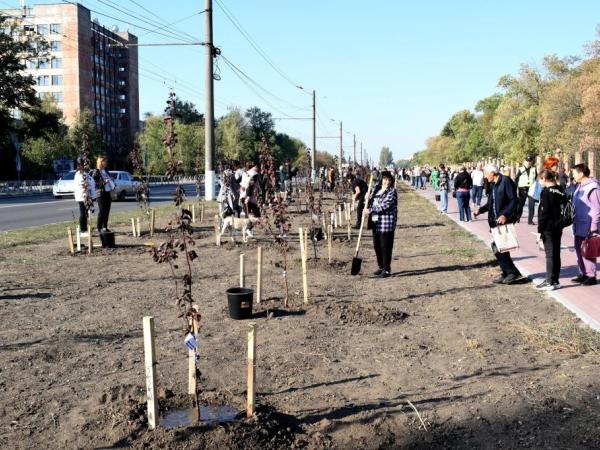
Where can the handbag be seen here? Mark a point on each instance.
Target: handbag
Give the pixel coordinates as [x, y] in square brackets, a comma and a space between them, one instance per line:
[453, 194]
[505, 237]
[590, 248]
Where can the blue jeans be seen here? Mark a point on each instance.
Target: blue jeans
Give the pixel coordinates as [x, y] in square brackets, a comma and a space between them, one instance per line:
[463, 205]
[418, 182]
[476, 193]
[444, 200]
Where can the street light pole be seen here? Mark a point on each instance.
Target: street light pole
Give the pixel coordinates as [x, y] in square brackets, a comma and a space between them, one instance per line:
[209, 116]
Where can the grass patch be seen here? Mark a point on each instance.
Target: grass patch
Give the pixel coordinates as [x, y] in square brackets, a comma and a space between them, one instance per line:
[567, 336]
[460, 252]
[45, 233]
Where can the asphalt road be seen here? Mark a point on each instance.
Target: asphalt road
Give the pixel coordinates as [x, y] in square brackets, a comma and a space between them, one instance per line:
[28, 211]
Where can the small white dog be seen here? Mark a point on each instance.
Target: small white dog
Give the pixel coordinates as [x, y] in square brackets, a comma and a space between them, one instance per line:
[234, 224]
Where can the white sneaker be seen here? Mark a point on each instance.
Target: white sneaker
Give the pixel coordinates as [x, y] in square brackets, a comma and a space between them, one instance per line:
[545, 286]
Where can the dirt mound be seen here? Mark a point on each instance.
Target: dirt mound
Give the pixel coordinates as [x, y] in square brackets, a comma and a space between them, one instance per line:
[359, 314]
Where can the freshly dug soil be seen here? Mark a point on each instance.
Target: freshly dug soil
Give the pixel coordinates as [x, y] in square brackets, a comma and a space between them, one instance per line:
[350, 369]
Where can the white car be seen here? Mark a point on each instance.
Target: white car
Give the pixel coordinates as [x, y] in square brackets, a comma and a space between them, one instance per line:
[124, 185]
[64, 186]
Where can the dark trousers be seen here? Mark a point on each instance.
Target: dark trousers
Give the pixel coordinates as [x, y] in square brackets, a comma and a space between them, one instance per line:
[104, 202]
[360, 206]
[506, 263]
[82, 217]
[530, 204]
[476, 193]
[383, 244]
[462, 198]
[551, 240]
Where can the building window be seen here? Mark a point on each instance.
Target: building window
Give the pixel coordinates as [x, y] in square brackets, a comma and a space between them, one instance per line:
[43, 30]
[58, 96]
[121, 69]
[43, 63]
[57, 80]
[29, 29]
[43, 80]
[122, 97]
[123, 110]
[57, 63]
[55, 28]
[56, 46]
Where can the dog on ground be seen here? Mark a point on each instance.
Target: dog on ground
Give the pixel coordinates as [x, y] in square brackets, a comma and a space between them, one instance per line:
[234, 224]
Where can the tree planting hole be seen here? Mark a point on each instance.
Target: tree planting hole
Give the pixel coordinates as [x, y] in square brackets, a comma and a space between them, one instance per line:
[208, 415]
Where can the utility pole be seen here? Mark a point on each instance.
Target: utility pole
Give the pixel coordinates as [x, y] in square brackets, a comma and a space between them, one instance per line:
[354, 149]
[209, 115]
[361, 155]
[341, 149]
[314, 137]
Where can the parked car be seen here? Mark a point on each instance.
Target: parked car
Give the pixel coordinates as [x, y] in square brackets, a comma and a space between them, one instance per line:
[124, 185]
[64, 186]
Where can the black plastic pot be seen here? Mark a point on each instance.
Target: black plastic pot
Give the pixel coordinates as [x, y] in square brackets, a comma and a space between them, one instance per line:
[108, 239]
[438, 197]
[316, 234]
[240, 302]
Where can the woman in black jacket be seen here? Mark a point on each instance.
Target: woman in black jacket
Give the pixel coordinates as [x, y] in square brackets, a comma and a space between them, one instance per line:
[550, 227]
[462, 185]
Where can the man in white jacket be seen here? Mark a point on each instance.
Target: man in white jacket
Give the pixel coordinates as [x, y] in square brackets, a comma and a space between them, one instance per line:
[85, 189]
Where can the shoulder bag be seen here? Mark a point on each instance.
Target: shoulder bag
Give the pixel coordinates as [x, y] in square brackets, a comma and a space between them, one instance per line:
[590, 248]
[505, 237]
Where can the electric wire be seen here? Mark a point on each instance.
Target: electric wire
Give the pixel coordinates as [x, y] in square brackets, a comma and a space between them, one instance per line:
[236, 23]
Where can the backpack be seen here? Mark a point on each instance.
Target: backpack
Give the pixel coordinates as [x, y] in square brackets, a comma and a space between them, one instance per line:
[567, 213]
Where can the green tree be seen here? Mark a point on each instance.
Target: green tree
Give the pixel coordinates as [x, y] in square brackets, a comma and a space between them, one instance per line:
[385, 157]
[186, 112]
[84, 125]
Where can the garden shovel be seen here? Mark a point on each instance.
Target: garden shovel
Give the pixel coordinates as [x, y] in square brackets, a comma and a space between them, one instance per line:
[356, 261]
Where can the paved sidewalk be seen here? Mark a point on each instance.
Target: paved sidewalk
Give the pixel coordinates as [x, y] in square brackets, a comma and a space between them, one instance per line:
[584, 301]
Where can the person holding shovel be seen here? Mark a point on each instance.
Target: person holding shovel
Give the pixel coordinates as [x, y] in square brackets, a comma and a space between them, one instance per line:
[383, 214]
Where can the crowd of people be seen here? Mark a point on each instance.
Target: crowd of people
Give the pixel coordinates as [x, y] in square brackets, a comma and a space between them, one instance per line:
[560, 201]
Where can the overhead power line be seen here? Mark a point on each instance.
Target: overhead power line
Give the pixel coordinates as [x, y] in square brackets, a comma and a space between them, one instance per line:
[236, 23]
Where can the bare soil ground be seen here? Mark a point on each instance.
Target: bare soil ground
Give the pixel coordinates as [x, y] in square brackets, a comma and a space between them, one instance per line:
[340, 372]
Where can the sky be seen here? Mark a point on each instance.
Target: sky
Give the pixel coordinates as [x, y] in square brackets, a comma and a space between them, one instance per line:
[392, 71]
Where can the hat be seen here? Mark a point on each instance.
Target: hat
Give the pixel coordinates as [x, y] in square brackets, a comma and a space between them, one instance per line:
[529, 158]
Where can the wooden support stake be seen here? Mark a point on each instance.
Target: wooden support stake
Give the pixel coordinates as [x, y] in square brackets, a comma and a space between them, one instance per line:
[151, 222]
[242, 270]
[251, 369]
[193, 213]
[78, 235]
[303, 258]
[341, 222]
[138, 228]
[192, 380]
[329, 241]
[133, 227]
[70, 237]
[150, 366]
[201, 212]
[258, 274]
[325, 228]
[90, 228]
[349, 232]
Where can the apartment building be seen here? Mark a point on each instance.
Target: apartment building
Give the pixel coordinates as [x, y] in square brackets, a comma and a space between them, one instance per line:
[88, 66]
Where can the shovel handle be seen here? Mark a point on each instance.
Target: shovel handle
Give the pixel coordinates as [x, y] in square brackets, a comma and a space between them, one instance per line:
[362, 219]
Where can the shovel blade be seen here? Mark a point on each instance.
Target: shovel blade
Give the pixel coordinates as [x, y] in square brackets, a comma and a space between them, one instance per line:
[356, 263]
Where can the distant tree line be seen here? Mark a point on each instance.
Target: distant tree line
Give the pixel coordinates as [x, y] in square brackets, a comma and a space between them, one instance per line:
[537, 111]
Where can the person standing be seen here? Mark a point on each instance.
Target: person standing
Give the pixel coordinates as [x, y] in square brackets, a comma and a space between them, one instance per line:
[477, 190]
[104, 186]
[417, 177]
[502, 204]
[85, 195]
[359, 192]
[586, 201]
[383, 214]
[550, 227]
[462, 186]
[443, 185]
[435, 175]
[525, 178]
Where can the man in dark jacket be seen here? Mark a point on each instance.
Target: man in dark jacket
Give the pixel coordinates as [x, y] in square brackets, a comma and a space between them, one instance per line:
[502, 204]
[359, 191]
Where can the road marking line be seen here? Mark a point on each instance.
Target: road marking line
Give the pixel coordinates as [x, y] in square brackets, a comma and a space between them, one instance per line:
[36, 203]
